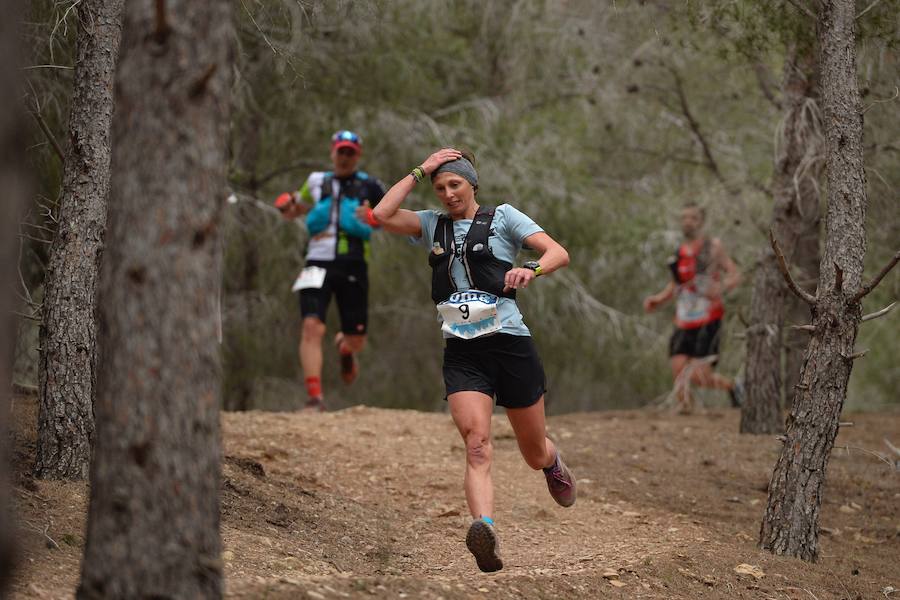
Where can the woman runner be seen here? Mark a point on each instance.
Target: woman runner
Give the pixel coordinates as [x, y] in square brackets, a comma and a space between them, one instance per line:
[489, 351]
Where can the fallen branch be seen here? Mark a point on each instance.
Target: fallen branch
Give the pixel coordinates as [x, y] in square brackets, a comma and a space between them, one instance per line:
[51, 543]
[895, 449]
[782, 266]
[864, 290]
[879, 313]
[880, 457]
[809, 328]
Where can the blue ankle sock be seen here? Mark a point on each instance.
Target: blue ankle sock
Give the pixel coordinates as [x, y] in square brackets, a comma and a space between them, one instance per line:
[487, 520]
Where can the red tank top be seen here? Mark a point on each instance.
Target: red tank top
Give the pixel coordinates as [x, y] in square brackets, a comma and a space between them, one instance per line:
[693, 308]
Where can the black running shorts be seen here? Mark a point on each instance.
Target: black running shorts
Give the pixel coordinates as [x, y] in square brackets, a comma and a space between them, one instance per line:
[348, 281]
[698, 342]
[502, 365]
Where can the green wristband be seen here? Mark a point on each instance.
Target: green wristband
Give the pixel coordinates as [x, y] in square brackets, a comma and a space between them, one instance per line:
[418, 174]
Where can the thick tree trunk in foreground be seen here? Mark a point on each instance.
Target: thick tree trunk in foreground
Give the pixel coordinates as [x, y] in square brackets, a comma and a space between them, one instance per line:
[13, 183]
[153, 522]
[68, 327]
[796, 203]
[790, 525]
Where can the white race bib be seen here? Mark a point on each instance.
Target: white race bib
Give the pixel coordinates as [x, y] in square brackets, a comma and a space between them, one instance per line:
[469, 314]
[691, 306]
[310, 277]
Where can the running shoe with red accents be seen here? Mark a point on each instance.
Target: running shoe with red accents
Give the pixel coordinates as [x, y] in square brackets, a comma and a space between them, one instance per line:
[349, 364]
[315, 404]
[482, 542]
[560, 482]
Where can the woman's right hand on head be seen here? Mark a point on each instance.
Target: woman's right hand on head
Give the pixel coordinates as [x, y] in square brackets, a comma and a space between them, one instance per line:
[438, 158]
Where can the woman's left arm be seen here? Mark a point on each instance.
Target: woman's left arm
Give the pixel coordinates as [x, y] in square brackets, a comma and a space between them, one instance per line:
[553, 257]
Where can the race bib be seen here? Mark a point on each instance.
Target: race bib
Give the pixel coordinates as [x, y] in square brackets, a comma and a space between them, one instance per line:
[692, 306]
[310, 277]
[469, 314]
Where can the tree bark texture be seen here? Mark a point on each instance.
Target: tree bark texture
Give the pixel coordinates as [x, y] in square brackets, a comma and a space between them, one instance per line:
[153, 520]
[66, 372]
[805, 268]
[14, 186]
[790, 525]
[795, 212]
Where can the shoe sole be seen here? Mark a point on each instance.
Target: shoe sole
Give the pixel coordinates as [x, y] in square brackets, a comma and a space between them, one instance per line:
[482, 543]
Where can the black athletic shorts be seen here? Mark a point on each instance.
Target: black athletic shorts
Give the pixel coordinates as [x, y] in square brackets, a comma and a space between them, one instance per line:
[348, 281]
[502, 365]
[698, 342]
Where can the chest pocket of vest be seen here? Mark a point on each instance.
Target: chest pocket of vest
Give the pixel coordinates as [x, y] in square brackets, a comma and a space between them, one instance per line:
[348, 221]
[319, 217]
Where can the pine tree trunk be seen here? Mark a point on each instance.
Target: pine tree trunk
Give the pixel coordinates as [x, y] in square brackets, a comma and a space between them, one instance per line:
[795, 188]
[805, 267]
[790, 525]
[13, 183]
[153, 521]
[67, 364]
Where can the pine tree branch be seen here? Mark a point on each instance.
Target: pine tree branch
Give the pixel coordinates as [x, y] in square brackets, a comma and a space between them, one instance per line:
[783, 267]
[868, 8]
[805, 10]
[694, 125]
[879, 313]
[864, 290]
[48, 134]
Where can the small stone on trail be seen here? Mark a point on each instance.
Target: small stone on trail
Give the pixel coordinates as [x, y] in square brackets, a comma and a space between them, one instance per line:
[228, 555]
[610, 574]
[847, 509]
[453, 512]
[616, 583]
[315, 595]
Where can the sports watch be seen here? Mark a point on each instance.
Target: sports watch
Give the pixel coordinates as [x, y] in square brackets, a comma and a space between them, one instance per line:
[534, 266]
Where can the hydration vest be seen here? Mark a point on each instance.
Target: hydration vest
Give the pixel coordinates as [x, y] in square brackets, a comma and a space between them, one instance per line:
[485, 271]
[690, 270]
[351, 233]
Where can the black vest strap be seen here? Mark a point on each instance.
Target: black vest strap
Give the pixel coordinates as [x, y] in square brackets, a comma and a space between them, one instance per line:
[484, 271]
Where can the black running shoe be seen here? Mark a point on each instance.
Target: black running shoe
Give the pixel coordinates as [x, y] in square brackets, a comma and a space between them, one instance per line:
[482, 542]
[737, 394]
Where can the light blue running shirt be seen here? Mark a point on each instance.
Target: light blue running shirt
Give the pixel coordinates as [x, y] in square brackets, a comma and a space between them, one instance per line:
[509, 229]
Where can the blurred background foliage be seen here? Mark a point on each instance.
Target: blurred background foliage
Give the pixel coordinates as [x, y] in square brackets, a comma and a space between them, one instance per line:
[598, 119]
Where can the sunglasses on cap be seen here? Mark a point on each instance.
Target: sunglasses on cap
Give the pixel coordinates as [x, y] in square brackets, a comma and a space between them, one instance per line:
[345, 136]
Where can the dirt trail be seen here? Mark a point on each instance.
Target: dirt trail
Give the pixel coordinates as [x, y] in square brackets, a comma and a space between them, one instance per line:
[368, 503]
